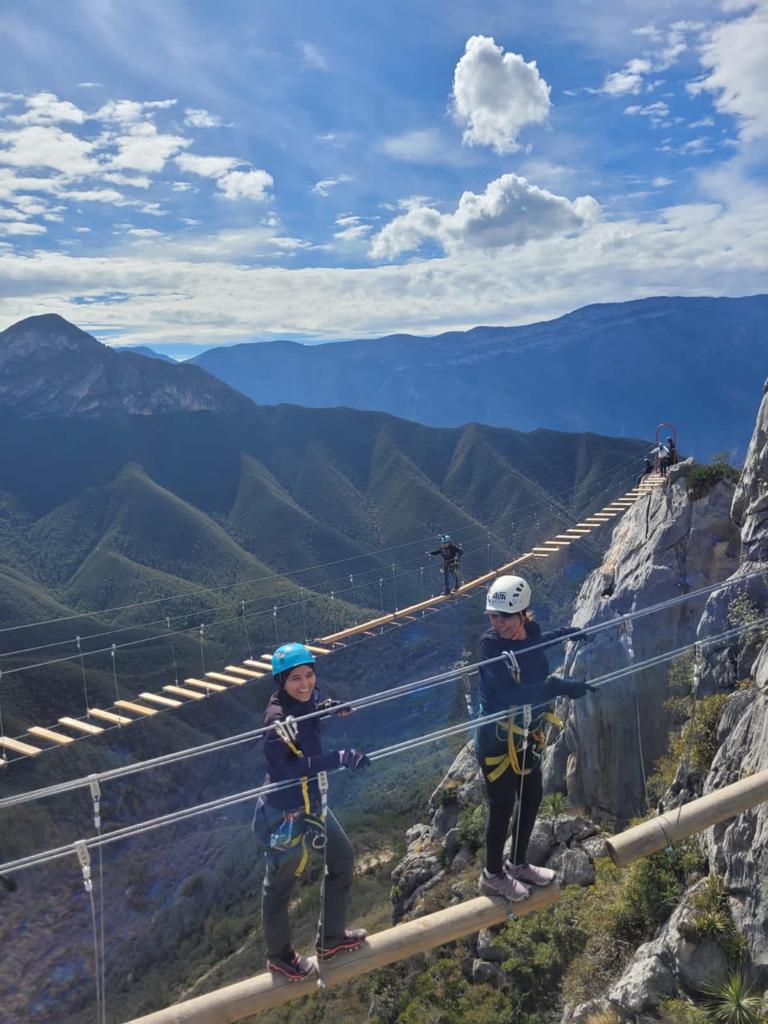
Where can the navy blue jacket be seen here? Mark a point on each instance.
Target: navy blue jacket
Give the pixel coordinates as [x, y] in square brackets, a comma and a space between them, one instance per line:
[498, 689]
[283, 764]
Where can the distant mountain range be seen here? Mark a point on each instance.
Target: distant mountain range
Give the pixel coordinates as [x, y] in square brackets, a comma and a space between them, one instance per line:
[49, 367]
[153, 479]
[616, 369]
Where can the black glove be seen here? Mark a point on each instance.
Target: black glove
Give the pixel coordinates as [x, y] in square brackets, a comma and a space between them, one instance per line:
[575, 635]
[573, 688]
[331, 704]
[353, 759]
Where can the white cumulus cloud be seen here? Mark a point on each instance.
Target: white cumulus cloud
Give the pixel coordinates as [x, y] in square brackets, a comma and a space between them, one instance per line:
[246, 185]
[197, 117]
[735, 56]
[496, 94]
[323, 187]
[510, 212]
[206, 166]
[627, 81]
[47, 146]
[129, 111]
[144, 148]
[47, 108]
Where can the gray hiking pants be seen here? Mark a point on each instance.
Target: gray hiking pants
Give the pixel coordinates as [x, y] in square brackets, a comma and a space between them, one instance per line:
[280, 879]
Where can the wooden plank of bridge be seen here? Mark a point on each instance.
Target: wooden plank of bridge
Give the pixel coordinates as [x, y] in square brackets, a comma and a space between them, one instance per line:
[50, 734]
[18, 747]
[224, 678]
[265, 666]
[139, 709]
[204, 684]
[236, 670]
[110, 716]
[317, 650]
[84, 727]
[156, 698]
[181, 692]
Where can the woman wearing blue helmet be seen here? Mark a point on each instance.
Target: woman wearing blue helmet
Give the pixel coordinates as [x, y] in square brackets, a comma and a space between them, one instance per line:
[296, 819]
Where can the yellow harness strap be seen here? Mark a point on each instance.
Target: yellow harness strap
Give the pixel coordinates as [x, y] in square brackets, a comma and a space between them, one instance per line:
[304, 780]
[500, 762]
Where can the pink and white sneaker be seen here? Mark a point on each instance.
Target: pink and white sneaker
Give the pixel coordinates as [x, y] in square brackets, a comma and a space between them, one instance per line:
[529, 874]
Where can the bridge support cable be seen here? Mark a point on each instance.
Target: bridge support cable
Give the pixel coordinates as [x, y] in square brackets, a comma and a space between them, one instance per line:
[265, 992]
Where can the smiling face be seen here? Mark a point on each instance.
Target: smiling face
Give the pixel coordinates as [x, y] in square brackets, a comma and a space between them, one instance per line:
[509, 627]
[300, 683]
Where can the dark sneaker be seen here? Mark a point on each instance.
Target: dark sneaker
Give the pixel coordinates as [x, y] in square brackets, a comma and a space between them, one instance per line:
[291, 965]
[502, 885]
[353, 938]
[446, 593]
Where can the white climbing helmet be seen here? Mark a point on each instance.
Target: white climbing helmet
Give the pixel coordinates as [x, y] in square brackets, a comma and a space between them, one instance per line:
[508, 594]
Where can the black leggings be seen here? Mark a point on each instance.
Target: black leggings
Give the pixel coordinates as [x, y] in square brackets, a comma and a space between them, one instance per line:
[502, 796]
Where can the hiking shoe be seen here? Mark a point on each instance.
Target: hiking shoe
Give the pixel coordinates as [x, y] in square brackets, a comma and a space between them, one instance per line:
[291, 965]
[353, 938]
[502, 885]
[529, 874]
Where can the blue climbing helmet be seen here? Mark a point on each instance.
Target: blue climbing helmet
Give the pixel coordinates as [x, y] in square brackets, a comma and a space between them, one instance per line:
[289, 656]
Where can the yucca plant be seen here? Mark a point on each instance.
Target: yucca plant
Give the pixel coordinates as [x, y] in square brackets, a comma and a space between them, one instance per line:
[712, 921]
[554, 804]
[731, 1002]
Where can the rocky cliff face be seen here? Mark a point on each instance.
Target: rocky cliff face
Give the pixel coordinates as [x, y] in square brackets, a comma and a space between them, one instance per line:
[681, 962]
[668, 544]
[48, 367]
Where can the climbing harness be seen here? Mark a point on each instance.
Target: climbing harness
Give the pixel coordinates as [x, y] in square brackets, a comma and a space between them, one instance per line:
[533, 740]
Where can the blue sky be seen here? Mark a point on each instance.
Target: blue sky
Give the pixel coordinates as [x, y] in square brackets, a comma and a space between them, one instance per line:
[189, 173]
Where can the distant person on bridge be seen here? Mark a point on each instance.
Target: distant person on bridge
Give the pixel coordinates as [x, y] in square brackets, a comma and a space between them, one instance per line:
[672, 450]
[661, 451]
[294, 819]
[509, 751]
[647, 470]
[451, 554]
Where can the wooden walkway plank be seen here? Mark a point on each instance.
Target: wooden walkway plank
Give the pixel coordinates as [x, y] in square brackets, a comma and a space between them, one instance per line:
[181, 692]
[203, 684]
[83, 727]
[50, 734]
[220, 676]
[18, 747]
[157, 698]
[110, 716]
[139, 709]
[236, 670]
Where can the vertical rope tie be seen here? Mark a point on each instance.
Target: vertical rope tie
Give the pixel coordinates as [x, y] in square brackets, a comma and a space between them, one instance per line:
[85, 684]
[173, 652]
[245, 630]
[2, 726]
[333, 612]
[84, 857]
[526, 726]
[303, 613]
[394, 586]
[381, 595]
[640, 750]
[95, 789]
[114, 673]
[274, 619]
[202, 648]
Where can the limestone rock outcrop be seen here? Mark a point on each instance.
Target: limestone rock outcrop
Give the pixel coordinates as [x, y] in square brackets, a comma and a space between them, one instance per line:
[666, 545]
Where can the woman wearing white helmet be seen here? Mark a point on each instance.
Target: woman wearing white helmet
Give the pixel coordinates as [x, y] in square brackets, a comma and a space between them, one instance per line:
[509, 752]
[291, 820]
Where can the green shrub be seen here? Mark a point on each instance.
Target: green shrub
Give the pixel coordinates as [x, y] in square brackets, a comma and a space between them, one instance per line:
[679, 1011]
[702, 477]
[472, 827]
[694, 746]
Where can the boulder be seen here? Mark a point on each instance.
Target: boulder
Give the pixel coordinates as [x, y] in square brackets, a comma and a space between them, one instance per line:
[487, 949]
[576, 868]
[482, 970]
